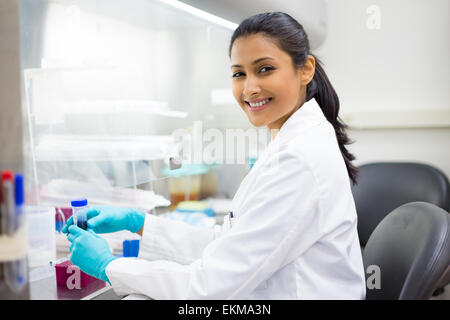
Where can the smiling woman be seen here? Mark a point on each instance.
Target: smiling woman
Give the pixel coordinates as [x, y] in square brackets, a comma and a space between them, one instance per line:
[267, 81]
[274, 74]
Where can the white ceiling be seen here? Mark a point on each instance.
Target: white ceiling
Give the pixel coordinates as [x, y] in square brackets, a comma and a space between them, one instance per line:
[310, 13]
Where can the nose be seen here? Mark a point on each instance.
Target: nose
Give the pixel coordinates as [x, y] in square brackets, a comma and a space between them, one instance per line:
[251, 87]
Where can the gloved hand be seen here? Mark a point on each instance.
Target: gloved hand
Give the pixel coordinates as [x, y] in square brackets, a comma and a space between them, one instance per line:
[105, 219]
[90, 252]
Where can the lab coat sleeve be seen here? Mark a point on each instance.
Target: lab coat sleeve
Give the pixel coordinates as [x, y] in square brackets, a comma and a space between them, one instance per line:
[165, 239]
[277, 222]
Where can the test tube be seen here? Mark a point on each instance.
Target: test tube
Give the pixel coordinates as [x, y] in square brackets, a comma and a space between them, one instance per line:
[79, 219]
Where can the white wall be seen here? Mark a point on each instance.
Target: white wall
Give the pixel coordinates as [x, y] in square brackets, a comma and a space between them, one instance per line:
[389, 60]
[430, 146]
[393, 81]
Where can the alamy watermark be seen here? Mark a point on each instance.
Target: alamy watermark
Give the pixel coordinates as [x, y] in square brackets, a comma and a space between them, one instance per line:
[373, 281]
[373, 21]
[74, 279]
[226, 146]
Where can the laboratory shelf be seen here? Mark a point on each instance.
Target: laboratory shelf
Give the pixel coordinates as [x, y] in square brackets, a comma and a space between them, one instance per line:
[127, 107]
[54, 148]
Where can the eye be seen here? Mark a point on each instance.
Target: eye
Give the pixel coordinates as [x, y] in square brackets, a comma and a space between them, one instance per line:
[266, 69]
[237, 75]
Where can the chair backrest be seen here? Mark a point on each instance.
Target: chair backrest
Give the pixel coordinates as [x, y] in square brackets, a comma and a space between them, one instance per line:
[384, 186]
[411, 250]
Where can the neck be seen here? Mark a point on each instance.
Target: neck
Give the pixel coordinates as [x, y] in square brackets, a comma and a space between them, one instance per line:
[273, 132]
[275, 126]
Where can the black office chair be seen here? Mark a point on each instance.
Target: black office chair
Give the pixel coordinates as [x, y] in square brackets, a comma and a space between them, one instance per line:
[382, 187]
[411, 249]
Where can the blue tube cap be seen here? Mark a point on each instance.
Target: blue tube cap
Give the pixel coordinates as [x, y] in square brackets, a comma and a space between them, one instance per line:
[130, 248]
[79, 202]
[19, 189]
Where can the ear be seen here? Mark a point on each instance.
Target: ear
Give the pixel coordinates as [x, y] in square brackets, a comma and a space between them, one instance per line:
[308, 70]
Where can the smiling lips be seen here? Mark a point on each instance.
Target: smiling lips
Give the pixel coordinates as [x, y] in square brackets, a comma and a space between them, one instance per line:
[257, 105]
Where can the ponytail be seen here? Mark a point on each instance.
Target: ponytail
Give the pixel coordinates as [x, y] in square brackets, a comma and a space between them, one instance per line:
[321, 89]
[292, 38]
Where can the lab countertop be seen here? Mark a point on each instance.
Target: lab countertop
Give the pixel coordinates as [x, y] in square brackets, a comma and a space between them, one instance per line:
[47, 289]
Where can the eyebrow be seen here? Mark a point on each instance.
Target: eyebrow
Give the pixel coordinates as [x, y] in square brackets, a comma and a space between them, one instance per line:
[254, 62]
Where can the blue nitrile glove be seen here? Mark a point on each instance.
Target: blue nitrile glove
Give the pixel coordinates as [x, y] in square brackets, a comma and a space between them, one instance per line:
[90, 252]
[105, 219]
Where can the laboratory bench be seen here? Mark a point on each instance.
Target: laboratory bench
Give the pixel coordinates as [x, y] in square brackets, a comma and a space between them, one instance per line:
[43, 286]
[47, 289]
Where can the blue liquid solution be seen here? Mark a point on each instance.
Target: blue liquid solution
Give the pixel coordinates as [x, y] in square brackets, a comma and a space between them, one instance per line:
[82, 222]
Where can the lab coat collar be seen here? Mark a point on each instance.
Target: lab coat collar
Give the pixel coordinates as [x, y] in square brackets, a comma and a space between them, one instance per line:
[308, 115]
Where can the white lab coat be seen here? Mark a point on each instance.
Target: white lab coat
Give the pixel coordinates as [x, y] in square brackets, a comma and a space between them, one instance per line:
[293, 235]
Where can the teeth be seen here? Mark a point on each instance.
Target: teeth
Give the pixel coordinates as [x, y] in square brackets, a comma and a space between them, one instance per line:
[254, 105]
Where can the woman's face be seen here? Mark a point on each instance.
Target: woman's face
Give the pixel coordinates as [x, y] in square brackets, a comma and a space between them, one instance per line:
[265, 83]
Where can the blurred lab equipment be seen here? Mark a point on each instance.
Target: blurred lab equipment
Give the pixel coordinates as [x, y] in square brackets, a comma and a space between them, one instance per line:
[131, 248]
[13, 238]
[19, 197]
[16, 272]
[59, 190]
[62, 215]
[8, 211]
[41, 235]
[78, 214]
[195, 206]
[194, 213]
[209, 182]
[251, 162]
[185, 182]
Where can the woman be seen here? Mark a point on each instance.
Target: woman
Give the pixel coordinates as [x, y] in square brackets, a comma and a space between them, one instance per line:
[292, 232]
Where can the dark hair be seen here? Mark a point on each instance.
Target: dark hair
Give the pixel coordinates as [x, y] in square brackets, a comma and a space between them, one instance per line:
[291, 38]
